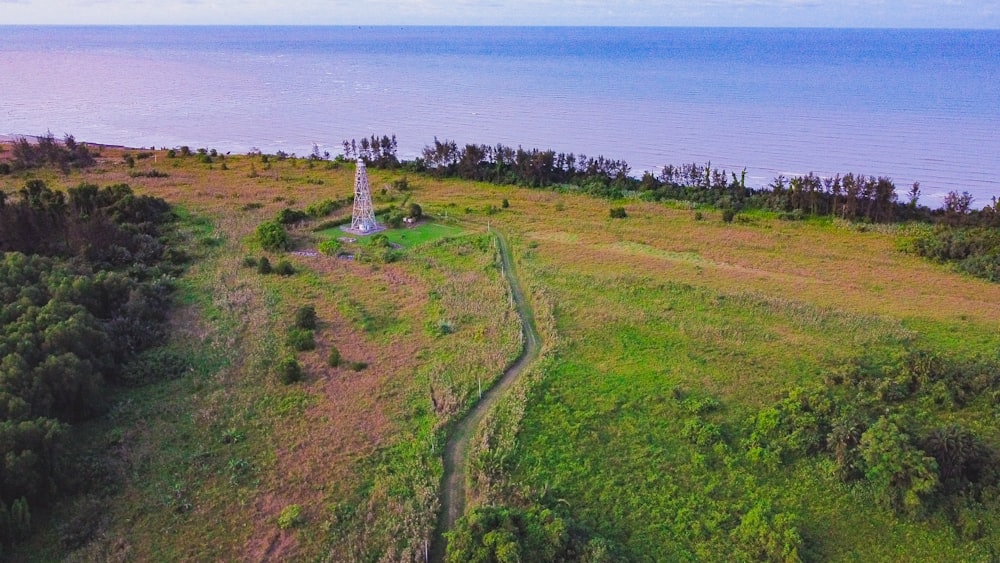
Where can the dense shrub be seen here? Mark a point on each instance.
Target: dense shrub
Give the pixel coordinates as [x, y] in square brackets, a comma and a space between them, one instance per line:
[305, 317]
[151, 173]
[289, 370]
[264, 266]
[904, 476]
[329, 247]
[288, 216]
[324, 207]
[395, 218]
[157, 364]
[333, 359]
[284, 268]
[765, 536]
[272, 236]
[290, 517]
[965, 464]
[618, 213]
[401, 184]
[301, 339]
[47, 151]
[83, 295]
[500, 533]
[974, 250]
[795, 426]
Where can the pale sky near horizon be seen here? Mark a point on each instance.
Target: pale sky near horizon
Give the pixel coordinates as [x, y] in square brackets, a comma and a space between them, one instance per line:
[980, 14]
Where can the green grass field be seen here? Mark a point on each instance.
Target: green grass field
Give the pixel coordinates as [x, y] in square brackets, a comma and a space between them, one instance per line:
[663, 336]
[409, 237]
[406, 237]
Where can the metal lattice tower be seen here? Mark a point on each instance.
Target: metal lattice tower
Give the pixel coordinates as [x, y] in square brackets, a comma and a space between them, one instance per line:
[363, 218]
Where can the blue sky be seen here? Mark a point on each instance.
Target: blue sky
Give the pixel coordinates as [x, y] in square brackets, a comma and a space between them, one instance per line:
[750, 13]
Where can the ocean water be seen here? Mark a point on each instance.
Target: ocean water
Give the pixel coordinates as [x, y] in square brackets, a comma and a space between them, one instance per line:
[914, 105]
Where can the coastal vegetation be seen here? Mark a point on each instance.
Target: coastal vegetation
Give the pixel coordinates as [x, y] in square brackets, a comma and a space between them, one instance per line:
[46, 150]
[85, 279]
[787, 385]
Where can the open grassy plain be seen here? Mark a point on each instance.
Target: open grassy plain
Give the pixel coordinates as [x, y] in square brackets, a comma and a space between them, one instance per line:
[206, 464]
[662, 335]
[667, 326]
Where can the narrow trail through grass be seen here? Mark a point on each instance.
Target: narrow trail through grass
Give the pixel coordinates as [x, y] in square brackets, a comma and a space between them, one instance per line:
[456, 452]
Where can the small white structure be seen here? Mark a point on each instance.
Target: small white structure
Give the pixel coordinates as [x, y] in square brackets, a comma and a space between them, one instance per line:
[363, 217]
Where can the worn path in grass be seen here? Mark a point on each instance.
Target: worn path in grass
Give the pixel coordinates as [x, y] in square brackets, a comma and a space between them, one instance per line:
[456, 451]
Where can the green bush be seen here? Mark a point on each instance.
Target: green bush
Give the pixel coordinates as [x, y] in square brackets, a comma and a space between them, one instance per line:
[395, 218]
[301, 339]
[505, 203]
[323, 208]
[250, 262]
[904, 476]
[155, 364]
[728, 215]
[284, 268]
[288, 215]
[289, 370]
[272, 236]
[20, 519]
[329, 247]
[305, 317]
[618, 213]
[151, 173]
[358, 366]
[500, 533]
[765, 536]
[264, 265]
[401, 184]
[290, 517]
[414, 211]
[334, 359]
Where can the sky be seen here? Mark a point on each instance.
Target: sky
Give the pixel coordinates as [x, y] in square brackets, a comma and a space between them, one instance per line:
[972, 14]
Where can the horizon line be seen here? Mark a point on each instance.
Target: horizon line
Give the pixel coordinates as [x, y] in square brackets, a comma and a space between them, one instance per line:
[496, 25]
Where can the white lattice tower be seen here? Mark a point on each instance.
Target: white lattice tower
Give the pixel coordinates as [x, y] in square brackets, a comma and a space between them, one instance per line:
[363, 217]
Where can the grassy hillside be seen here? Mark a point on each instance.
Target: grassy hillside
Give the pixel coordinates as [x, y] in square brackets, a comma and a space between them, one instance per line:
[664, 337]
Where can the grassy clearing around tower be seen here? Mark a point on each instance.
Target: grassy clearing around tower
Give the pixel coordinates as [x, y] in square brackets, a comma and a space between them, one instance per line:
[406, 237]
[422, 233]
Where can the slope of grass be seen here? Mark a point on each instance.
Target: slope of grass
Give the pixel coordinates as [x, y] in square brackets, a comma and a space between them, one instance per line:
[206, 464]
[654, 310]
[658, 325]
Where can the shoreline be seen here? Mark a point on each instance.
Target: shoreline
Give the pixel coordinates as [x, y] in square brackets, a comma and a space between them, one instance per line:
[932, 198]
[7, 138]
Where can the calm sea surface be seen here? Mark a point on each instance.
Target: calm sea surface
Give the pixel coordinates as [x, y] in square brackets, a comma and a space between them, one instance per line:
[912, 105]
